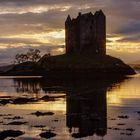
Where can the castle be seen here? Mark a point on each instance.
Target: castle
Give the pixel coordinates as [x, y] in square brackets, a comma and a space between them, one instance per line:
[86, 33]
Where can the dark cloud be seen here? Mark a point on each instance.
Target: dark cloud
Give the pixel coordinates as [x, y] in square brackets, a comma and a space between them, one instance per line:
[18, 40]
[124, 9]
[131, 28]
[42, 2]
[118, 13]
[29, 22]
[19, 28]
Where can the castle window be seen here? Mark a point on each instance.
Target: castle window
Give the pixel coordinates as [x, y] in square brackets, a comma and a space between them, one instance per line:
[90, 27]
[97, 51]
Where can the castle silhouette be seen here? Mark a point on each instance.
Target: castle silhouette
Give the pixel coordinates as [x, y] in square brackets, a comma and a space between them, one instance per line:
[86, 33]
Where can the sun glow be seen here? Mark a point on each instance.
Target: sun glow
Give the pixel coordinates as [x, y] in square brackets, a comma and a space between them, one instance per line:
[58, 106]
[124, 46]
[113, 98]
[114, 39]
[51, 38]
[118, 44]
[123, 92]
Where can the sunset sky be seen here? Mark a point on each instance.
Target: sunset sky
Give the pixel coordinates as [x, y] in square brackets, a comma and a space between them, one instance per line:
[40, 24]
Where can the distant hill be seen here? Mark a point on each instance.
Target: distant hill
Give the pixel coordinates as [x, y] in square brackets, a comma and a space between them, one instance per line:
[6, 68]
[23, 69]
[135, 64]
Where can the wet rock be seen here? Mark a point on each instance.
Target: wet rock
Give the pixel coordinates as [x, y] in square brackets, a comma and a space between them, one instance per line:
[121, 124]
[47, 135]
[10, 133]
[38, 113]
[123, 117]
[109, 128]
[17, 118]
[130, 129]
[55, 120]
[5, 101]
[39, 126]
[129, 134]
[1, 115]
[47, 98]
[17, 123]
[122, 133]
[78, 135]
[112, 119]
[23, 100]
[50, 98]
[13, 118]
[116, 129]
[5, 97]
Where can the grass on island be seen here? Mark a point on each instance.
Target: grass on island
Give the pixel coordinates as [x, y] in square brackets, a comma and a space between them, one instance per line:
[81, 61]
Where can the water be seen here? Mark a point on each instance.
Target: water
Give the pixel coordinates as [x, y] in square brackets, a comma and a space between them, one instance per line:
[86, 110]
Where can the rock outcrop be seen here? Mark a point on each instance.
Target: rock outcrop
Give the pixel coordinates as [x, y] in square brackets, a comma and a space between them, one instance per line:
[87, 65]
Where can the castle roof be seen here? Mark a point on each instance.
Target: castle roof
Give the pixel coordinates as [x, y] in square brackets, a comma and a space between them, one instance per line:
[68, 19]
[86, 15]
[100, 12]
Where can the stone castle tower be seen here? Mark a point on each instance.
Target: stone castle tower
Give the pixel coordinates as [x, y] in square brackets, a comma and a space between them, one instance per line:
[86, 33]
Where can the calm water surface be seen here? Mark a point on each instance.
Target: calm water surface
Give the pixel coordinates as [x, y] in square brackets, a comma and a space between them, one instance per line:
[85, 110]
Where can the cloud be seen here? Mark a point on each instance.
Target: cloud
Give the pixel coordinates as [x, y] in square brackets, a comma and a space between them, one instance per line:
[134, 39]
[18, 40]
[131, 28]
[111, 8]
[31, 23]
[28, 22]
[53, 13]
[42, 2]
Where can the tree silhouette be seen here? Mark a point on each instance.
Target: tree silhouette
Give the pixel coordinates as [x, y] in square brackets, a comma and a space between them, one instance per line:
[32, 55]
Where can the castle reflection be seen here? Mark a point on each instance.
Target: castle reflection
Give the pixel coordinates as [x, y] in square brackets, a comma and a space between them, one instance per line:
[30, 85]
[86, 102]
[88, 113]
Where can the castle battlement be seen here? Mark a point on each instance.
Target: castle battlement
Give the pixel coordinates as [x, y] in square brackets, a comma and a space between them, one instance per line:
[86, 33]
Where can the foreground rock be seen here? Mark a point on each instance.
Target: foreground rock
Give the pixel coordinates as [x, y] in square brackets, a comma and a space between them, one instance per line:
[22, 100]
[38, 113]
[17, 123]
[10, 133]
[13, 118]
[4, 101]
[47, 135]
